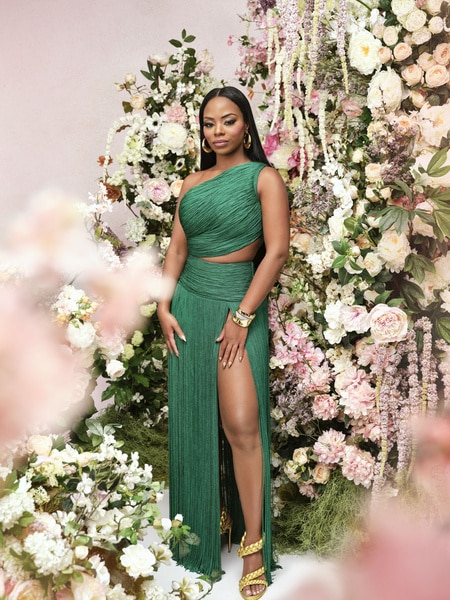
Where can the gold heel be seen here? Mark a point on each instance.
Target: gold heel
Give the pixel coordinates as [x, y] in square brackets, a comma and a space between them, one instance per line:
[253, 578]
[226, 525]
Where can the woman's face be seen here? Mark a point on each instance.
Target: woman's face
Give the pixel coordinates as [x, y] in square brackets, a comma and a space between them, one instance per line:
[223, 126]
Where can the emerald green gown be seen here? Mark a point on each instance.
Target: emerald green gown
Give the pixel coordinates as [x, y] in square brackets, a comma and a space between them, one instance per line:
[219, 216]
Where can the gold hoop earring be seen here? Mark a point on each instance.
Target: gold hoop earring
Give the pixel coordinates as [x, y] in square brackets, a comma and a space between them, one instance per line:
[206, 148]
[247, 140]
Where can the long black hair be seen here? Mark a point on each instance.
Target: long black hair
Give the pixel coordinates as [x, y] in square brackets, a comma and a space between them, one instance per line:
[255, 152]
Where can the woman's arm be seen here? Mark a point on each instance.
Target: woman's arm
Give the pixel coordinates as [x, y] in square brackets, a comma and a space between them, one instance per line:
[276, 231]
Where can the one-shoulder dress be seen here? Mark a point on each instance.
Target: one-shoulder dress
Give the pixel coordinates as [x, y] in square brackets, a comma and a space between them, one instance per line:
[219, 216]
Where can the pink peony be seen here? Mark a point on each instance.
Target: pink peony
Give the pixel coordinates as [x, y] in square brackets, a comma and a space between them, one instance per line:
[157, 190]
[388, 324]
[176, 113]
[357, 466]
[325, 407]
[330, 446]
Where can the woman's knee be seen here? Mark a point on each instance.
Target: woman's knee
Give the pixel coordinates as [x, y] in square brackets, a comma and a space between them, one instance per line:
[245, 437]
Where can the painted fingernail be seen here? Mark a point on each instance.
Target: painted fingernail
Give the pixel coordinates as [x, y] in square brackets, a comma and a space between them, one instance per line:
[220, 358]
[229, 364]
[183, 338]
[224, 364]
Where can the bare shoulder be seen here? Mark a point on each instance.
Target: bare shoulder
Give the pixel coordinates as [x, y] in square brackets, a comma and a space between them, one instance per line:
[270, 182]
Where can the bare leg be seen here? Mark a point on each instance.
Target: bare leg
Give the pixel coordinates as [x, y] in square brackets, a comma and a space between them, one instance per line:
[239, 414]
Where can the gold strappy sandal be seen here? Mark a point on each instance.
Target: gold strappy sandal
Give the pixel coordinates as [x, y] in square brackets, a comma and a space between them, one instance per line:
[226, 524]
[253, 578]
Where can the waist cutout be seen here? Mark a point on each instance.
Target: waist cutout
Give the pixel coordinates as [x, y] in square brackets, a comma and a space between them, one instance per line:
[215, 280]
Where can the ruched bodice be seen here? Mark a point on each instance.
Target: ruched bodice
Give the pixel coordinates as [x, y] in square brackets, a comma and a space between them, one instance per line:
[223, 214]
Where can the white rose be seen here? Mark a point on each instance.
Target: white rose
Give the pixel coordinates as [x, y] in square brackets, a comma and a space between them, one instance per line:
[172, 135]
[372, 264]
[437, 76]
[390, 35]
[138, 561]
[321, 473]
[357, 155]
[402, 7]
[402, 51]
[421, 36]
[433, 7]
[385, 54]
[130, 78]
[137, 101]
[280, 157]
[159, 59]
[436, 25]
[388, 324]
[434, 123]
[426, 61]
[40, 445]
[419, 226]
[115, 368]
[81, 335]
[441, 54]
[412, 75]
[393, 248]
[81, 552]
[300, 456]
[414, 20]
[363, 52]
[418, 98]
[385, 91]
[373, 172]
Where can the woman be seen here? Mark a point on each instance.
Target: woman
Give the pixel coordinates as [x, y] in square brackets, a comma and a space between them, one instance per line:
[216, 331]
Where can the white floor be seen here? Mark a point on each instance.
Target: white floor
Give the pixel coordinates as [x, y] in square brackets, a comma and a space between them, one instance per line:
[296, 571]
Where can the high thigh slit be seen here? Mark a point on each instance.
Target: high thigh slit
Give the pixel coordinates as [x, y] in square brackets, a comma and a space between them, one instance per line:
[201, 474]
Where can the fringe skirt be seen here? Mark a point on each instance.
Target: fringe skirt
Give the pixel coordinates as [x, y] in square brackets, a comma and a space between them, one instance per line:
[201, 476]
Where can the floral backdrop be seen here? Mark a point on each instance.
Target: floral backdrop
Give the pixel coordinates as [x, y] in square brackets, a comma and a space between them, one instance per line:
[354, 112]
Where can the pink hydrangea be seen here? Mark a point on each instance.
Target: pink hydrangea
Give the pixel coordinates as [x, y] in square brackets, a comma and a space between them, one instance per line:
[356, 392]
[330, 447]
[176, 113]
[325, 407]
[357, 466]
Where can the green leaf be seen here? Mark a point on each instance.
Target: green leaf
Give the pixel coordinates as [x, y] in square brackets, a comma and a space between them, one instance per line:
[383, 298]
[339, 262]
[394, 216]
[443, 328]
[77, 576]
[436, 162]
[441, 172]
[443, 221]
[403, 187]
[176, 43]
[189, 39]
[417, 265]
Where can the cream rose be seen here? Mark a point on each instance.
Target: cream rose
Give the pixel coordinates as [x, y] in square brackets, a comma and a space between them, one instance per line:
[402, 51]
[426, 61]
[390, 35]
[358, 155]
[418, 98]
[437, 76]
[372, 263]
[402, 7]
[81, 335]
[130, 78]
[300, 456]
[374, 172]
[40, 445]
[385, 54]
[159, 59]
[385, 91]
[363, 52]
[137, 101]
[433, 7]
[441, 54]
[393, 248]
[414, 20]
[436, 25]
[27, 590]
[321, 473]
[115, 368]
[138, 561]
[421, 36]
[301, 241]
[175, 187]
[388, 324]
[434, 123]
[89, 588]
[412, 75]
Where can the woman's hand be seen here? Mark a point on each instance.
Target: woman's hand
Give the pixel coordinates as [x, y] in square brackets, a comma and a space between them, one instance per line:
[170, 327]
[232, 342]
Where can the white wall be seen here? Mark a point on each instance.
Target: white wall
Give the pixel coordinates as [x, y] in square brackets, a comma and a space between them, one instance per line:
[59, 60]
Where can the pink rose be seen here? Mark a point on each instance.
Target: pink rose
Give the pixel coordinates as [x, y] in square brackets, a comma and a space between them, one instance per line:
[413, 75]
[351, 108]
[402, 51]
[385, 54]
[441, 54]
